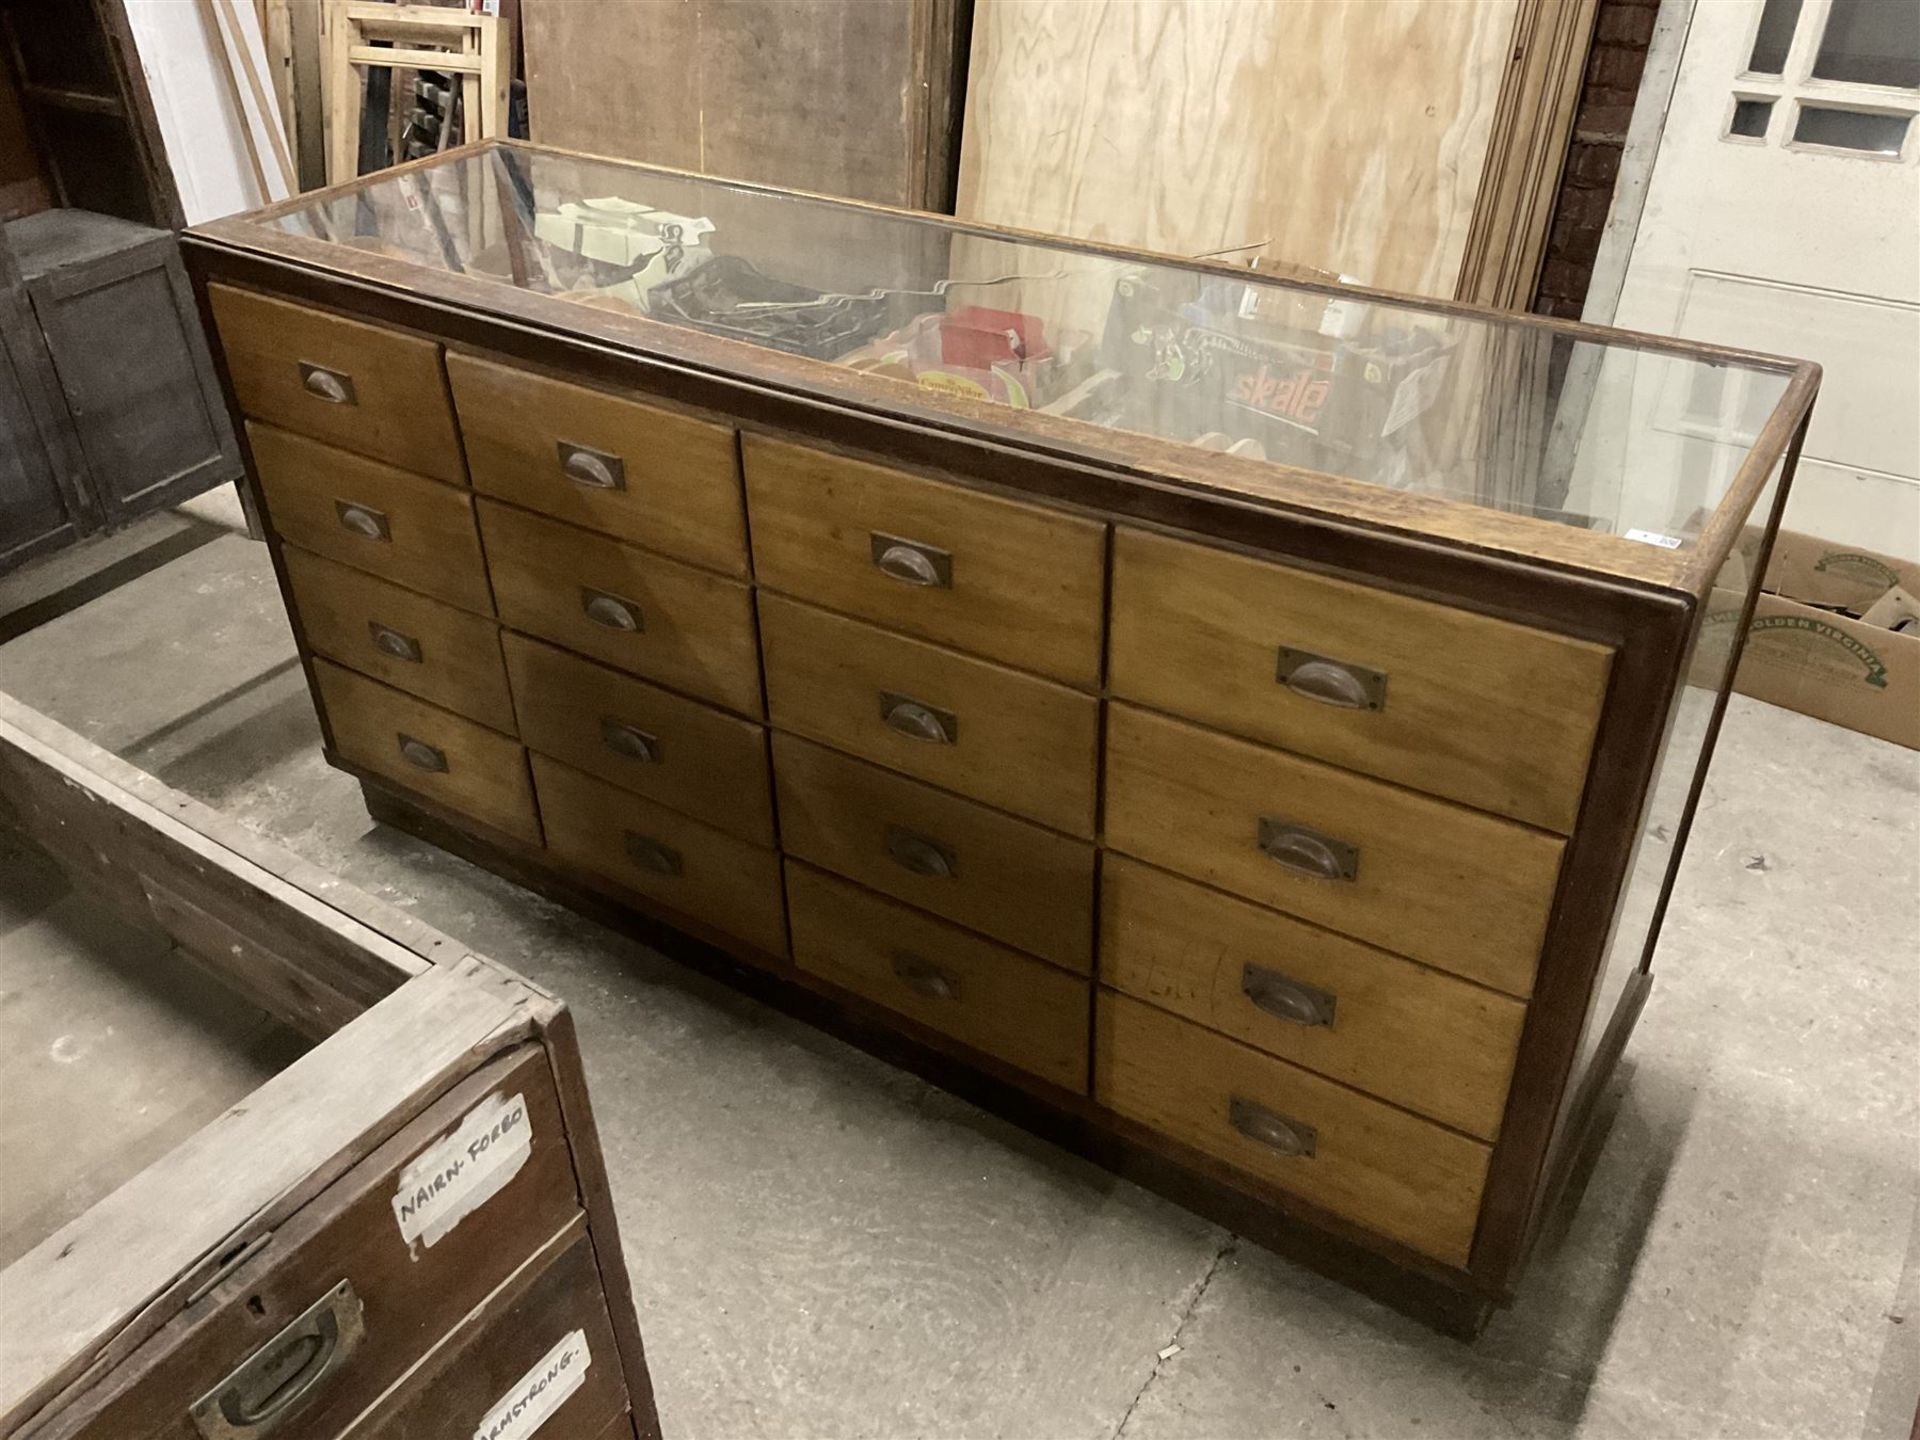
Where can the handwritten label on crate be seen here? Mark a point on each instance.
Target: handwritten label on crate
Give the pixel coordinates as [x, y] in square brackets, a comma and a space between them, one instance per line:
[540, 1392]
[461, 1171]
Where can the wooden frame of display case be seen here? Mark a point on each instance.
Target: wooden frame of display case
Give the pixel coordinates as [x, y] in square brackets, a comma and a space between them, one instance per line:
[1642, 601]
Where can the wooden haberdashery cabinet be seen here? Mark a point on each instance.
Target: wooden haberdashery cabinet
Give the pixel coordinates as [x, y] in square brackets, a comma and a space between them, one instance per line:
[1246, 729]
[280, 1160]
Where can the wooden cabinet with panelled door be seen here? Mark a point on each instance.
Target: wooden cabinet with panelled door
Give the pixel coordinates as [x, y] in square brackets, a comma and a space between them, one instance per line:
[1236, 724]
[361, 1194]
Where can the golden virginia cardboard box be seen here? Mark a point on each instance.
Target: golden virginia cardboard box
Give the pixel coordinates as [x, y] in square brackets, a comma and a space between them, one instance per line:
[1807, 649]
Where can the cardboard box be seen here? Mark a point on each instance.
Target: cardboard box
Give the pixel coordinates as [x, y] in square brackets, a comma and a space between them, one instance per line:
[1806, 648]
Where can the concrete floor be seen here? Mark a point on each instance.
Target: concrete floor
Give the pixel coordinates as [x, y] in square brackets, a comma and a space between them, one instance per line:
[824, 1246]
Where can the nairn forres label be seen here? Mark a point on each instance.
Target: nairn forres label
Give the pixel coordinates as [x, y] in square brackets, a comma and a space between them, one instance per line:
[539, 1392]
[461, 1171]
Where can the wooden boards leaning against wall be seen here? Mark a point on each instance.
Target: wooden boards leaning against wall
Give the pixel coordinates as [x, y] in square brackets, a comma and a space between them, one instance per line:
[1350, 135]
[857, 100]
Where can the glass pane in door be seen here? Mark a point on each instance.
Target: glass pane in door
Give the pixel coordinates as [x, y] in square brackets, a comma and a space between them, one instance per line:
[1871, 42]
[1774, 37]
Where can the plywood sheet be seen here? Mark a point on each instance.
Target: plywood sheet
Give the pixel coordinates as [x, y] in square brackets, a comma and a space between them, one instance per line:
[848, 99]
[1345, 134]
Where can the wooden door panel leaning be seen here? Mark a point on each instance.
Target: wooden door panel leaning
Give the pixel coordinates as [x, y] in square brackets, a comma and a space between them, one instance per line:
[657, 478]
[1010, 581]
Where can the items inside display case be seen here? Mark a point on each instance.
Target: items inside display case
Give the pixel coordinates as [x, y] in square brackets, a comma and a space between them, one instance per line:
[1259, 365]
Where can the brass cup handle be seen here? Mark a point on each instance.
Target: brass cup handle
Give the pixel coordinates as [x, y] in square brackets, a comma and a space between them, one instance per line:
[654, 856]
[1332, 682]
[1285, 998]
[363, 520]
[282, 1376]
[333, 386]
[629, 740]
[389, 641]
[924, 977]
[1271, 1129]
[611, 611]
[1306, 852]
[423, 756]
[928, 724]
[595, 469]
[920, 855]
[911, 562]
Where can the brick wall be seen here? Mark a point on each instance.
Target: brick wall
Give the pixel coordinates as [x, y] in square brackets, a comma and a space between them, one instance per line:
[1622, 29]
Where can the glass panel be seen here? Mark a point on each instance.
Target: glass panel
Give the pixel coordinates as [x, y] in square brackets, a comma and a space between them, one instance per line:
[1472, 408]
[1873, 42]
[1851, 129]
[1750, 118]
[1774, 37]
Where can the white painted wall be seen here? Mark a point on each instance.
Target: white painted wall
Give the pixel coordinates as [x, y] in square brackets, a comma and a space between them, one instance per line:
[205, 132]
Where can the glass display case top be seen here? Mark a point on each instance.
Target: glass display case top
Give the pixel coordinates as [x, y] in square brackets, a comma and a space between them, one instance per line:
[1631, 437]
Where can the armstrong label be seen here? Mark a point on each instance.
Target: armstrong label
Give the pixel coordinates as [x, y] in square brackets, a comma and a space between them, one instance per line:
[460, 1172]
[540, 1392]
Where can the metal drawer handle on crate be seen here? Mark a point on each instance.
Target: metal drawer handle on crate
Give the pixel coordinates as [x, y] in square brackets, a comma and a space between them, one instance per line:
[919, 854]
[389, 641]
[1286, 999]
[612, 611]
[333, 386]
[911, 562]
[363, 520]
[652, 855]
[1306, 851]
[1271, 1128]
[1331, 682]
[919, 974]
[909, 717]
[595, 469]
[629, 740]
[279, 1378]
[423, 756]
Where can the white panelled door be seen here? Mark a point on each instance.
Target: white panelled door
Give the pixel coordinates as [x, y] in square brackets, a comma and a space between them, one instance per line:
[1783, 214]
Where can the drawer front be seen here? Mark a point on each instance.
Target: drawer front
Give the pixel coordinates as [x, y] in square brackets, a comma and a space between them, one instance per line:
[703, 873]
[662, 620]
[369, 389]
[1417, 1037]
[542, 1348]
[1017, 742]
[443, 756]
[1377, 1166]
[372, 517]
[695, 759]
[1449, 887]
[1011, 581]
[659, 479]
[409, 1293]
[1001, 876]
[984, 995]
[415, 644]
[1492, 714]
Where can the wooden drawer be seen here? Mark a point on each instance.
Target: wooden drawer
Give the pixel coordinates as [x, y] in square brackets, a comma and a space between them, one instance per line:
[377, 391]
[1001, 876]
[372, 517]
[445, 757]
[1495, 715]
[415, 644]
[541, 1349]
[409, 1292]
[984, 995]
[1390, 1171]
[698, 760]
[1415, 1036]
[703, 873]
[1444, 885]
[669, 622]
[1015, 741]
[660, 479]
[1000, 578]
